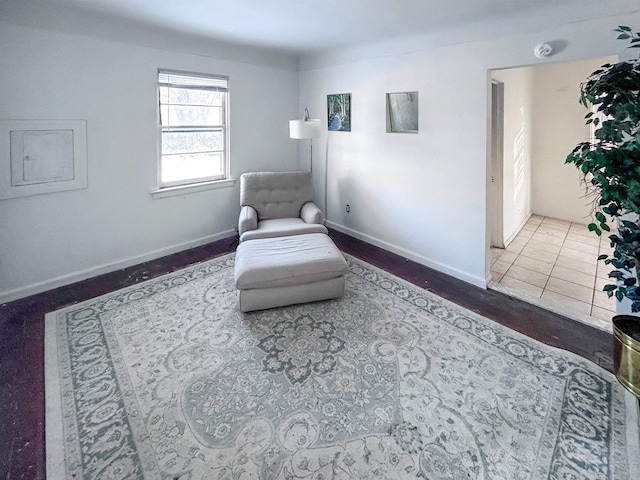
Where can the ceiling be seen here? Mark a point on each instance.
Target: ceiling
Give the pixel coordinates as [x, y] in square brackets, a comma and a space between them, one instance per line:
[302, 27]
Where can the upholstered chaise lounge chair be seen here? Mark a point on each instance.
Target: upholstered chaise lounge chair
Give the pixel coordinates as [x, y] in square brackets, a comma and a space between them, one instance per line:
[285, 255]
[278, 204]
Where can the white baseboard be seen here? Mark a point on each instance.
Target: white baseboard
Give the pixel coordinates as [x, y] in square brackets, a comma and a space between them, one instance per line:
[39, 287]
[454, 272]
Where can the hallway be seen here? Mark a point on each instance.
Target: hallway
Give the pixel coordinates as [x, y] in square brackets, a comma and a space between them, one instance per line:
[553, 264]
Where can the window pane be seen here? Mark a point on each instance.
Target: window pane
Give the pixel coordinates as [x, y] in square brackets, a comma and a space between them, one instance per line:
[191, 142]
[194, 97]
[192, 110]
[176, 168]
[164, 95]
[184, 116]
[164, 114]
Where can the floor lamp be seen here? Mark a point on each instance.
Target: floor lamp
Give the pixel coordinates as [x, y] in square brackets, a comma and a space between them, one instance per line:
[308, 128]
[305, 128]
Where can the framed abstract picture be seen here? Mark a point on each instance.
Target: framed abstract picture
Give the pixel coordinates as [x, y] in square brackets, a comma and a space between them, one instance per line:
[339, 112]
[402, 112]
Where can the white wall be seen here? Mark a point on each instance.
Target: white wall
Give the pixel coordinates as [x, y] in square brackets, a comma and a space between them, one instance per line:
[518, 118]
[412, 193]
[559, 126]
[421, 195]
[425, 195]
[49, 240]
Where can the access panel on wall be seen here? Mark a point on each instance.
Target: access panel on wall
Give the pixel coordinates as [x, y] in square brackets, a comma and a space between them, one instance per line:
[42, 156]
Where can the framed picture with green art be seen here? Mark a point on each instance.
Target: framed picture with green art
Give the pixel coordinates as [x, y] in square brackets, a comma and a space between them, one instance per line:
[339, 112]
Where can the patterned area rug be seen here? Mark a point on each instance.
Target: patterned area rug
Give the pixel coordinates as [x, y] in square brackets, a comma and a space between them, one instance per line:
[167, 379]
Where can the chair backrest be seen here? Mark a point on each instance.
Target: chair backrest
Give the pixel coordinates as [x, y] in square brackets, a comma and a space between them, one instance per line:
[276, 194]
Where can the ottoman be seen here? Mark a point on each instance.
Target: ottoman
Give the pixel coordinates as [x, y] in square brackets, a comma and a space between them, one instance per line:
[273, 272]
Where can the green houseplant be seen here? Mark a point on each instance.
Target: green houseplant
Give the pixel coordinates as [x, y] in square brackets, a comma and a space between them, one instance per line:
[611, 165]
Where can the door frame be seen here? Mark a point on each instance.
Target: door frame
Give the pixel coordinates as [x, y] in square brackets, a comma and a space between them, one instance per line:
[497, 165]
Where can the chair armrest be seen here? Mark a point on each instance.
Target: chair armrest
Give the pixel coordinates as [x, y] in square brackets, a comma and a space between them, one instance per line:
[248, 219]
[311, 214]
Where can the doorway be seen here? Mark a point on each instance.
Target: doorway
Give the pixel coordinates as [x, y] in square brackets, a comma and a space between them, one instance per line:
[540, 248]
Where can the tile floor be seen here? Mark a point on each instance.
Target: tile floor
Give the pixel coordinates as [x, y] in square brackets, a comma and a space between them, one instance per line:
[553, 263]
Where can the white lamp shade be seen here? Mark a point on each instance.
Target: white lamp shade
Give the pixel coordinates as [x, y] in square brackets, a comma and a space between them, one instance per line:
[304, 128]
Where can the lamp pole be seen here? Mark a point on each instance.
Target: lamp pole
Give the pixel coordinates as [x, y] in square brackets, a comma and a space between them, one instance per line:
[307, 128]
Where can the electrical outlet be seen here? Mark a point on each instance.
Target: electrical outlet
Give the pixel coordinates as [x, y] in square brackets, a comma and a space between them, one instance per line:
[347, 208]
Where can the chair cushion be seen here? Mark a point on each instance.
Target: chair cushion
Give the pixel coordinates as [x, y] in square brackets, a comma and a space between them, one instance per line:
[284, 261]
[282, 227]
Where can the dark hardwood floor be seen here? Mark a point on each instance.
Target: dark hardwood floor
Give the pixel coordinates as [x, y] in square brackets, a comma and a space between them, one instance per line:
[22, 405]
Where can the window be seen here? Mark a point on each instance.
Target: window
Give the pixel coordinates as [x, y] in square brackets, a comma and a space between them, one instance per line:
[193, 128]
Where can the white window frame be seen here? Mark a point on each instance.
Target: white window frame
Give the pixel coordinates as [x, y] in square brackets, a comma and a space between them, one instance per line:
[199, 183]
